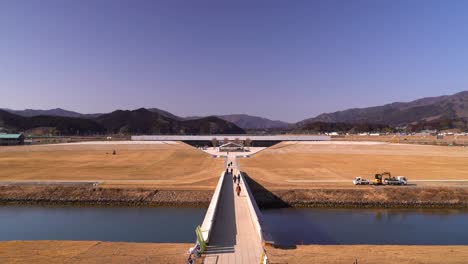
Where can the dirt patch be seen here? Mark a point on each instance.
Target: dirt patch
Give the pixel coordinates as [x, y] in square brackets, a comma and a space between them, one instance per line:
[88, 195]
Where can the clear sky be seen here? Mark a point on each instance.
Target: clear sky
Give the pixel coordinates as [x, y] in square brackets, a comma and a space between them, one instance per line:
[279, 59]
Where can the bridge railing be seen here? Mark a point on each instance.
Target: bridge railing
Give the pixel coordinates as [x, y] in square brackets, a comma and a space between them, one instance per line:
[256, 214]
[210, 215]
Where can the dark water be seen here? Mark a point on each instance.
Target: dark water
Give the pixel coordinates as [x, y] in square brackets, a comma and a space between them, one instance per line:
[368, 226]
[162, 224]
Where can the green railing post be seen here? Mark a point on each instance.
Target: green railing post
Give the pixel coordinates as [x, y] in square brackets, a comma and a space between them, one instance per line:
[200, 240]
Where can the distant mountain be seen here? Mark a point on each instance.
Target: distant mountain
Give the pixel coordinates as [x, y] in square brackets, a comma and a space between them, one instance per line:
[323, 127]
[54, 124]
[50, 112]
[430, 110]
[253, 122]
[140, 121]
[250, 122]
[144, 121]
[241, 120]
[167, 114]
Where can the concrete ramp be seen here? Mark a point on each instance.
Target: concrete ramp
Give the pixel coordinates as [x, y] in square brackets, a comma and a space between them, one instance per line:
[234, 237]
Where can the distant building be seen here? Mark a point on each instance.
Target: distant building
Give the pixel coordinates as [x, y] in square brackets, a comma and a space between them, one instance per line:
[231, 146]
[11, 139]
[426, 133]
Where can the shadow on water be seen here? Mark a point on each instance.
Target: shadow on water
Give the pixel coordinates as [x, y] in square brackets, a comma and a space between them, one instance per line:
[224, 233]
[263, 197]
[267, 199]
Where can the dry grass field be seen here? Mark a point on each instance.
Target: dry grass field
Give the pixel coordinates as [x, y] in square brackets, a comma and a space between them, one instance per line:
[117, 252]
[173, 166]
[411, 139]
[370, 254]
[45, 252]
[304, 164]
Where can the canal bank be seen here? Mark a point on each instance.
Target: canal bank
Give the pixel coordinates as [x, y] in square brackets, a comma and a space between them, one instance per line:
[95, 195]
[377, 197]
[361, 197]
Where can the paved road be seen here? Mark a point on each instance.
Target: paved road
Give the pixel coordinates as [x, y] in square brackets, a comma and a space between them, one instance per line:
[233, 239]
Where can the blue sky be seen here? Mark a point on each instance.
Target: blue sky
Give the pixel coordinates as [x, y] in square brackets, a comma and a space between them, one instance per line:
[287, 60]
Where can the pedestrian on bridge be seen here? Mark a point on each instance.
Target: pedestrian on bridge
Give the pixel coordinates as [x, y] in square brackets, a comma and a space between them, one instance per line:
[238, 189]
[234, 179]
[238, 178]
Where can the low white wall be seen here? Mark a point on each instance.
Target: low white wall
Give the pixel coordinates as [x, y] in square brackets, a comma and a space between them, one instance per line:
[233, 137]
[256, 214]
[210, 215]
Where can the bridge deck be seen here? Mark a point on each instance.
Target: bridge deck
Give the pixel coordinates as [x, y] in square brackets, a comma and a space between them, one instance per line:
[234, 239]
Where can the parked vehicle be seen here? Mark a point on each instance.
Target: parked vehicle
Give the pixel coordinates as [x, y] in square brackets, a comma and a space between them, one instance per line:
[360, 181]
[384, 178]
[399, 180]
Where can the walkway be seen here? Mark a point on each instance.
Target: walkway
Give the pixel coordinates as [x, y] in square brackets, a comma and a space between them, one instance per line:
[234, 239]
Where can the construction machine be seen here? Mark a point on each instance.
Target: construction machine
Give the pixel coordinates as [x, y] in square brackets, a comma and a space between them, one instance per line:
[378, 178]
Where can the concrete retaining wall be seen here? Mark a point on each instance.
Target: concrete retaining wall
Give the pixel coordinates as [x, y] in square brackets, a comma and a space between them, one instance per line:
[210, 215]
[233, 137]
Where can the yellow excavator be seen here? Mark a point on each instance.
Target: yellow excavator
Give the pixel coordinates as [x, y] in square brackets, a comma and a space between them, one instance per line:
[380, 176]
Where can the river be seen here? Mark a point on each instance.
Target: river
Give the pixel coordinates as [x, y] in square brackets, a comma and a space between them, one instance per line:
[368, 226]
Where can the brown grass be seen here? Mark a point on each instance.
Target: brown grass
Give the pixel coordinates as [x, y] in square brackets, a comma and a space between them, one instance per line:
[369, 254]
[413, 139]
[45, 252]
[158, 165]
[299, 161]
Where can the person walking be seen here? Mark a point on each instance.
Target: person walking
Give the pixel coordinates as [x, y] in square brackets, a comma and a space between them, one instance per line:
[234, 179]
[238, 178]
[238, 189]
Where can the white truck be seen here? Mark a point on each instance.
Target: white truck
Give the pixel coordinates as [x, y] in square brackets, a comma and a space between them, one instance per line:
[399, 180]
[360, 181]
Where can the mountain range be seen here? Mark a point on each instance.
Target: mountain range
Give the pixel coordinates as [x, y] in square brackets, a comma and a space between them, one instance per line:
[442, 112]
[429, 110]
[140, 121]
[241, 120]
